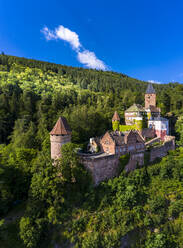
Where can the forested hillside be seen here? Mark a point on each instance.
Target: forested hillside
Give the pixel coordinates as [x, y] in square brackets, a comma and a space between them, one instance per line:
[40, 209]
[40, 91]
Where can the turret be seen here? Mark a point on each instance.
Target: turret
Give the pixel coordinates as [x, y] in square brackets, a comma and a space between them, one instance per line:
[60, 134]
[150, 97]
[115, 121]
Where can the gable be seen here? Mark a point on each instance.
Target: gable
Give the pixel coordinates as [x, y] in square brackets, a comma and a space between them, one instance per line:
[133, 137]
[107, 139]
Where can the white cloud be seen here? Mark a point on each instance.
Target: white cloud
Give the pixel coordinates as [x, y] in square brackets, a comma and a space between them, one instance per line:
[84, 56]
[49, 35]
[154, 82]
[90, 60]
[69, 36]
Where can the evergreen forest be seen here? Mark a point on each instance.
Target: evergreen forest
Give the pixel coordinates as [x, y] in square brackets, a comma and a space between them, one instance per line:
[38, 208]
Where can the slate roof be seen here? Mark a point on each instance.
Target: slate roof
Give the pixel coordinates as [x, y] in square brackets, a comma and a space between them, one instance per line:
[136, 133]
[115, 116]
[121, 137]
[61, 127]
[135, 108]
[159, 119]
[117, 137]
[150, 89]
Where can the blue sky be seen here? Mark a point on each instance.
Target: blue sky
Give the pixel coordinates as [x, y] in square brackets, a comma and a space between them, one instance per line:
[142, 39]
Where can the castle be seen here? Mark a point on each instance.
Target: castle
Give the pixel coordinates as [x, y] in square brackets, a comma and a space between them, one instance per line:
[145, 119]
[145, 132]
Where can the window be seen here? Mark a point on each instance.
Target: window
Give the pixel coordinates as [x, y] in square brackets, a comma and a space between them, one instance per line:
[131, 148]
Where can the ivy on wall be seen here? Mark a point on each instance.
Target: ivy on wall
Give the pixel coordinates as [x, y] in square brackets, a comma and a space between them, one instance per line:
[123, 161]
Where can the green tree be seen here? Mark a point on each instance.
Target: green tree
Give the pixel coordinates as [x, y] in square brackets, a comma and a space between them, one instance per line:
[160, 240]
[179, 129]
[31, 231]
[72, 171]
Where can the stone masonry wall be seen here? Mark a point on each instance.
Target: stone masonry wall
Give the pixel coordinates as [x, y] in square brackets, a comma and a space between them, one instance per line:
[56, 143]
[162, 151]
[101, 168]
[150, 99]
[104, 166]
[136, 159]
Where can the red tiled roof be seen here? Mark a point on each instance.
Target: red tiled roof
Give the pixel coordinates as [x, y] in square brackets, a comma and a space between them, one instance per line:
[115, 116]
[61, 127]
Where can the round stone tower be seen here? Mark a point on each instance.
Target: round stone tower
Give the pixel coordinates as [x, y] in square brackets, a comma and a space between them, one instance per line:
[60, 134]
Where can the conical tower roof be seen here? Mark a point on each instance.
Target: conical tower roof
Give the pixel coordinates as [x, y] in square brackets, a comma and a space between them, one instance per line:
[61, 127]
[115, 116]
[150, 89]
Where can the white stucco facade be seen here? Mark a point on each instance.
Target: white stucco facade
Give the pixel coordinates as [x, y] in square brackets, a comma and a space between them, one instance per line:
[160, 124]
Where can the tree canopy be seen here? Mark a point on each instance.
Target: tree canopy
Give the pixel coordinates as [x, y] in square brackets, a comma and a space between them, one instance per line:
[143, 209]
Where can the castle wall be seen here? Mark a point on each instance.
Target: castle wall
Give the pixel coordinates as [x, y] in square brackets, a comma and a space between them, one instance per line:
[136, 159]
[152, 141]
[162, 151]
[102, 167]
[56, 143]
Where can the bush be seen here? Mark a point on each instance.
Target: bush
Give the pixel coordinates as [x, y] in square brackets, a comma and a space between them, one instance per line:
[123, 161]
